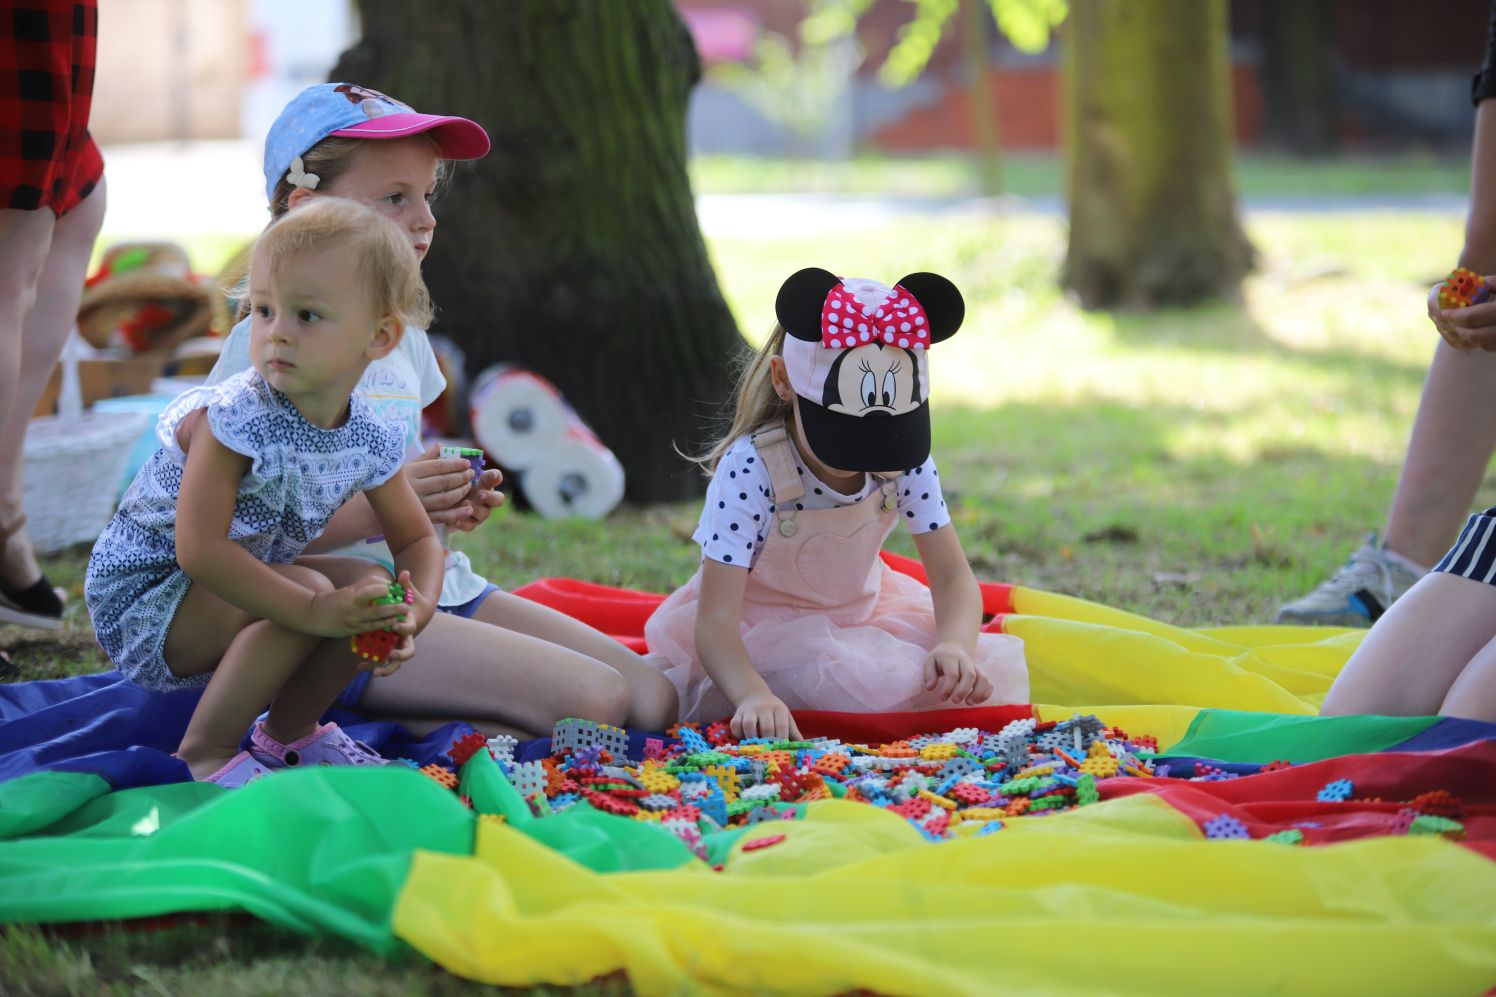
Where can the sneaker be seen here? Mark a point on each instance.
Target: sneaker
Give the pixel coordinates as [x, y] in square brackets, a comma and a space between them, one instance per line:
[1357, 594]
[327, 745]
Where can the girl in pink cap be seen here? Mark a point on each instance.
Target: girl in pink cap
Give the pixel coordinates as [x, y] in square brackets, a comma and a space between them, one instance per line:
[503, 663]
[828, 451]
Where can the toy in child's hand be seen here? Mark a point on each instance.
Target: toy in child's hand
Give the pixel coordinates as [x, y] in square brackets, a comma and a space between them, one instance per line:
[472, 455]
[376, 645]
[1463, 288]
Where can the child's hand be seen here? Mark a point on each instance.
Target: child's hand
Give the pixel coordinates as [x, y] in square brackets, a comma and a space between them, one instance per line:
[450, 493]
[483, 498]
[352, 609]
[764, 716]
[949, 668]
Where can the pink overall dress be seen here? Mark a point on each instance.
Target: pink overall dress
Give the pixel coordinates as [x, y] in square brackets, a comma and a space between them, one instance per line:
[826, 624]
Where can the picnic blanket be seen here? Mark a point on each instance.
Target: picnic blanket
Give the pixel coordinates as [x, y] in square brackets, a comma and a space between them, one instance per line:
[1126, 895]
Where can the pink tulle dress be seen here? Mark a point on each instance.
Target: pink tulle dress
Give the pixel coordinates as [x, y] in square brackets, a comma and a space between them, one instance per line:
[826, 624]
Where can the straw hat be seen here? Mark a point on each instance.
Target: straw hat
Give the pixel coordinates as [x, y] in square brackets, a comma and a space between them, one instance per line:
[146, 298]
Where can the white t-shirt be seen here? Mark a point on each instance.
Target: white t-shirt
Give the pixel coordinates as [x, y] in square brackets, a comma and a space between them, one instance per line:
[397, 387]
[740, 502]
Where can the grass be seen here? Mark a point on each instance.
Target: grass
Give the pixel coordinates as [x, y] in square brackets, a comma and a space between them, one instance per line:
[1197, 466]
[1042, 174]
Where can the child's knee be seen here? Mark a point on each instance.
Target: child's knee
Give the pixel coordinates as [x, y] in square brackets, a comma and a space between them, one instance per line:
[607, 698]
[656, 705]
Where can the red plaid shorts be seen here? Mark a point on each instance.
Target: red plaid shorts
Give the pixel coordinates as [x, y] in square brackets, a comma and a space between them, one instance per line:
[47, 157]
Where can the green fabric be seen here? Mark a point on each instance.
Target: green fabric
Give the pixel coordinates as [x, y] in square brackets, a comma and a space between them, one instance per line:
[324, 850]
[1240, 736]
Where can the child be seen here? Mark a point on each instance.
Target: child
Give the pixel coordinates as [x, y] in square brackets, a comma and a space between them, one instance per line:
[199, 579]
[1434, 650]
[501, 662]
[793, 608]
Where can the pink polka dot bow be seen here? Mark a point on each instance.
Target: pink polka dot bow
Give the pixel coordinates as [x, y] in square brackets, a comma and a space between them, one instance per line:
[848, 321]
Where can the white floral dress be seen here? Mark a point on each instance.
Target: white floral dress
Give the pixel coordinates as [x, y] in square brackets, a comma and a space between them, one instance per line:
[299, 475]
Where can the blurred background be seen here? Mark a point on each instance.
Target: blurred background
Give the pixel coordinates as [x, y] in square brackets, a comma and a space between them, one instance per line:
[1195, 238]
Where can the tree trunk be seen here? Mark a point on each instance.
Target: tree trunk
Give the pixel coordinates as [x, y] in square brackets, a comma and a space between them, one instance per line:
[1149, 133]
[1298, 75]
[975, 47]
[573, 248]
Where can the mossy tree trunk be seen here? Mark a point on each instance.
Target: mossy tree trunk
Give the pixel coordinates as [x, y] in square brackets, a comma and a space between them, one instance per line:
[573, 249]
[1153, 218]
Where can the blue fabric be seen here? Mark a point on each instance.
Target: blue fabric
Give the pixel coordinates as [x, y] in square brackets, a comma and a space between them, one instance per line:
[106, 725]
[466, 609]
[1449, 732]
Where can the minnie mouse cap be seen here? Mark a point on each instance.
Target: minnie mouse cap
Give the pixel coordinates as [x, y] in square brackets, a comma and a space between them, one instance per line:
[352, 111]
[857, 355]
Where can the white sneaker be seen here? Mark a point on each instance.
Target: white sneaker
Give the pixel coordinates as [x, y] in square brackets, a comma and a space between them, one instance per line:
[1356, 594]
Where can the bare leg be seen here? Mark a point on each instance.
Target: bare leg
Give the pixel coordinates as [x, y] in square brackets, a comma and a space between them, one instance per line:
[1473, 695]
[49, 319]
[254, 662]
[1453, 437]
[25, 239]
[468, 670]
[1416, 652]
[653, 704]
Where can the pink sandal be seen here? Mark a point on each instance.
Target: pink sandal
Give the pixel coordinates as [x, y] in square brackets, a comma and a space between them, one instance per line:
[241, 770]
[327, 745]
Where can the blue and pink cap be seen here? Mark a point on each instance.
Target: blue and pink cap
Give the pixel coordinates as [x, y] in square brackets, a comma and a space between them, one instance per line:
[352, 111]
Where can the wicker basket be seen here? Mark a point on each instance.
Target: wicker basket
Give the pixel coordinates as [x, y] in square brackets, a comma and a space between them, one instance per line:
[70, 474]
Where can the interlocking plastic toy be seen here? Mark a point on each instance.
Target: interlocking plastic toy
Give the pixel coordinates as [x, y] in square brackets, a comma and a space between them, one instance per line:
[1291, 836]
[1463, 288]
[1336, 792]
[472, 455]
[466, 747]
[376, 645]
[443, 776]
[1226, 826]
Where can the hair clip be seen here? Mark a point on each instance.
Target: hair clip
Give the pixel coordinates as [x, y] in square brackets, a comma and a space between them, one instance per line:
[298, 177]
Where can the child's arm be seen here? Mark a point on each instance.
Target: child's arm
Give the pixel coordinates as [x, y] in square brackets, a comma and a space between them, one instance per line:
[958, 618]
[719, 644]
[448, 491]
[418, 553]
[205, 509]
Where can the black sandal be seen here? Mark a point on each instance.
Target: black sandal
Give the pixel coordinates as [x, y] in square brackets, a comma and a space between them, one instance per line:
[38, 605]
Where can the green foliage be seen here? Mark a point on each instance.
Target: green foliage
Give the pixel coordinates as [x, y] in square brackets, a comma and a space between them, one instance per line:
[1027, 23]
[800, 83]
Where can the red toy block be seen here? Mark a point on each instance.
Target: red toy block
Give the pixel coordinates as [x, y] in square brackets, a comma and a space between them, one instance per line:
[757, 843]
[466, 747]
[375, 645]
[1463, 288]
[1438, 803]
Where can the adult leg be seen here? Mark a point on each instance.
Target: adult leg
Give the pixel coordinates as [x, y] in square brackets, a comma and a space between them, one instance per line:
[1473, 695]
[653, 704]
[1414, 654]
[1453, 437]
[25, 238]
[465, 669]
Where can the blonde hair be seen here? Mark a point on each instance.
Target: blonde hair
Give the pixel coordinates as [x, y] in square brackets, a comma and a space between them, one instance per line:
[391, 271]
[758, 405]
[330, 159]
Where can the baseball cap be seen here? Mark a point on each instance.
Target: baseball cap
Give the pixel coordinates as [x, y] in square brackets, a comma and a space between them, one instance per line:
[352, 111]
[857, 354]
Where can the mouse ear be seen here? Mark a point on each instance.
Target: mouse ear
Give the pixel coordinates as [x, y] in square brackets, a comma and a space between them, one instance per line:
[801, 300]
[941, 301]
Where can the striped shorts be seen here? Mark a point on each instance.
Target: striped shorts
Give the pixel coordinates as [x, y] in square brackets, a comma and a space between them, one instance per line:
[1473, 555]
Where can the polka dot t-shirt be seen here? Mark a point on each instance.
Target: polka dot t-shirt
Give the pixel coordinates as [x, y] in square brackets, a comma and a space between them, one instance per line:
[740, 509]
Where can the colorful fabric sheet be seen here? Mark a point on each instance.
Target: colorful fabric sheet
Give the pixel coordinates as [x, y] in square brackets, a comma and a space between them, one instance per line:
[1123, 896]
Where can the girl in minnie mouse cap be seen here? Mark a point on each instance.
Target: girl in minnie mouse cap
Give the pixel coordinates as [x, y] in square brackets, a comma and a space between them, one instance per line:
[829, 449]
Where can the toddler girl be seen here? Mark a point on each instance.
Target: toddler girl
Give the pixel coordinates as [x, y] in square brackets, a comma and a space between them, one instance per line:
[200, 578]
[792, 607]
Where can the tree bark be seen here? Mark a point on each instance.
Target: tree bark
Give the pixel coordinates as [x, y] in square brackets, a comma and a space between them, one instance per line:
[573, 248]
[1153, 218]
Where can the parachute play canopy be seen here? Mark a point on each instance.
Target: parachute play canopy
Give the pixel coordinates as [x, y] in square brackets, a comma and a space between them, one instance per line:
[1260, 849]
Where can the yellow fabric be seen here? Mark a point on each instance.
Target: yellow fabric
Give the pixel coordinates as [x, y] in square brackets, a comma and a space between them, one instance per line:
[1123, 897]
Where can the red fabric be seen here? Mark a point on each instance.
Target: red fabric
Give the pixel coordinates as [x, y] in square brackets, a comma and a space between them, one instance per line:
[1384, 782]
[47, 54]
[620, 613]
